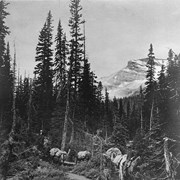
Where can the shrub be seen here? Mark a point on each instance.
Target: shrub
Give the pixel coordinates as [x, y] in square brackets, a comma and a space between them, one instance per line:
[80, 167]
[92, 173]
[91, 169]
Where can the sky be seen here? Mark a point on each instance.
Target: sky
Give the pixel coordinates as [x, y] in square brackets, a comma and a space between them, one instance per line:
[116, 30]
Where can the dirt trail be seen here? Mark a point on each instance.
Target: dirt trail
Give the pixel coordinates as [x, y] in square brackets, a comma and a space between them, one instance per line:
[76, 177]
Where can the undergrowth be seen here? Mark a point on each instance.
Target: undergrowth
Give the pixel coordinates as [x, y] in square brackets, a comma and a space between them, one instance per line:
[34, 168]
[95, 168]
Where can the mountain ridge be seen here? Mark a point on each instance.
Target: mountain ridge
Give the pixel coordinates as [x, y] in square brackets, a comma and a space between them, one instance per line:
[128, 80]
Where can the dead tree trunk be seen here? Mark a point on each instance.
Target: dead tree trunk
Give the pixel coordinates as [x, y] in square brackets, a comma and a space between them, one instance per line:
[29, 106]
[64, 135]
[14, 96]
[72, 132]
[168, 163]
[151, 116]
[166, 156]
[72, 127]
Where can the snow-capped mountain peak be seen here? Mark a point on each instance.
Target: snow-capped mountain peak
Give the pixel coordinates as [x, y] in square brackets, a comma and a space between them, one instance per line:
[129, 79]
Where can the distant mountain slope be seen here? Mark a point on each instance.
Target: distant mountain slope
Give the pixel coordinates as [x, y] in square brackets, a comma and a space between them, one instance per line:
[129, 79]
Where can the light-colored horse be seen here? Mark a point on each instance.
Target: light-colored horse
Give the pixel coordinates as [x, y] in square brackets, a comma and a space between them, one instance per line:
[121, 161]
[58, 154]
[112, 153]
[83, 155]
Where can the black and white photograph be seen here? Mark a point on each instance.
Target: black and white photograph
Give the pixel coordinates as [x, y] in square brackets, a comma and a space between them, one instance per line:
[89, 90]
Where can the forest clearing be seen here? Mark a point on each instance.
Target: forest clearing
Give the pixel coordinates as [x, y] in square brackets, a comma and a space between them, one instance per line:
[61, 124]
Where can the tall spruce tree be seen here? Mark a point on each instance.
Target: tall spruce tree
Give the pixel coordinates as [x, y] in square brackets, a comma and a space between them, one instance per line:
[60, 62]
[86, 91]
[60, 72]
[172, 95]
[108, 120]
[44, 75]
[100, 104]
[5, 73]
[150, 89]
[89, 101]
[119, 134]
[162, 91]
[68, 108]
[4, 30]
[76, 59]
[8, 84]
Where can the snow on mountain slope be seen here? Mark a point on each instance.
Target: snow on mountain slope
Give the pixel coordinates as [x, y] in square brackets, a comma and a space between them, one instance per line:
[128, 80]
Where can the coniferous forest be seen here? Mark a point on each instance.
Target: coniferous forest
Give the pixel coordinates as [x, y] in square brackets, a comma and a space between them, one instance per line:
[64, 106]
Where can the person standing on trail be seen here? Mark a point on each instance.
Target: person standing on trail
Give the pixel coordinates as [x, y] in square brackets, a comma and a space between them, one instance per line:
[131, 154]
[40, 141]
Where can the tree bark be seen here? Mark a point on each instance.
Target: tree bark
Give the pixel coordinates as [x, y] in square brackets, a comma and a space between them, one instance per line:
[72, 130]
[64, 135]
[168, 160]
[167, 157]
[151, 116]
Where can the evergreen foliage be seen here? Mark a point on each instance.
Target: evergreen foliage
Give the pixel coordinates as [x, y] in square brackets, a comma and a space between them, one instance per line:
[172, 91]
[149, 97]
[66, 102]
[4, 31]
[60, 62]
[163, 100]
[76, 49]
[8, 87]
[87, 95]
[5, 74]
[60, 86]
[107, 120]
[44, 75]
[120, 131]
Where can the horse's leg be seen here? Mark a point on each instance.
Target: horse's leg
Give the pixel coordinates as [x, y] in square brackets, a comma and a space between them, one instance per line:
[63, 159]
